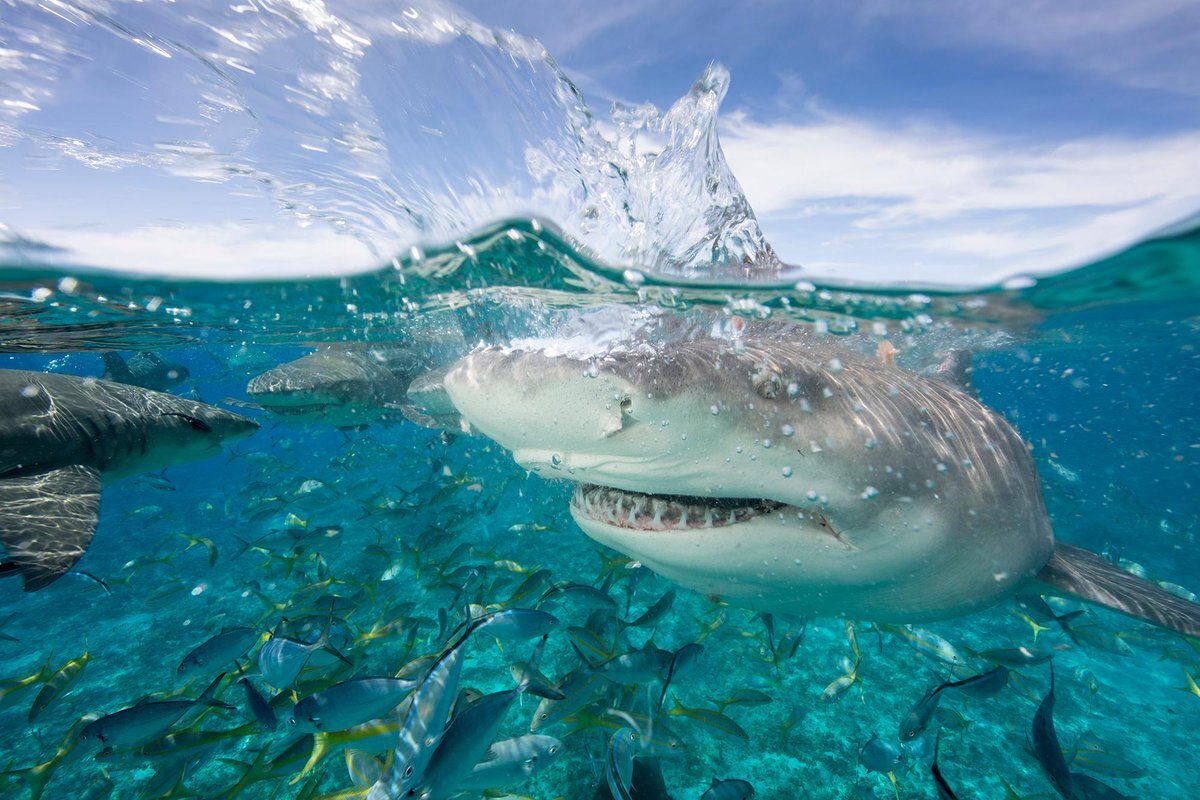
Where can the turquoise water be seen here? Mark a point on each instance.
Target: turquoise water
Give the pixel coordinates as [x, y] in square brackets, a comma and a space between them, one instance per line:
[252, 148]
[1097, 368]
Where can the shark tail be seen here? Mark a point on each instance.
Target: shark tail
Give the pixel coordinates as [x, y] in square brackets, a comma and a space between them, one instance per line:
[1082, 574]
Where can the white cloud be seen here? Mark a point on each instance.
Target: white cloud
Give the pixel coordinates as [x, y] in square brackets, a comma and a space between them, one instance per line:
[873, 201]
[224, 251]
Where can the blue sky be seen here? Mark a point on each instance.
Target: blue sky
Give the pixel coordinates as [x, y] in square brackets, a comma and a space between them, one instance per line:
[930, 141]
[937, 140]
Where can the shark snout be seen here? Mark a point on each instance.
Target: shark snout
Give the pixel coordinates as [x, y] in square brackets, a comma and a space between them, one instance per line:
[533, 401]
[215, 423]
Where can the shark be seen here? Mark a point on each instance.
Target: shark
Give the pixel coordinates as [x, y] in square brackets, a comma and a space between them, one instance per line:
[785, 471]
[62, 436]
[345, 385]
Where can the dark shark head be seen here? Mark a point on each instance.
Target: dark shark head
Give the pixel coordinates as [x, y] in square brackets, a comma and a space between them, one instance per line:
[346, 385]
[787, 472]
[60, 436]
[51, 420]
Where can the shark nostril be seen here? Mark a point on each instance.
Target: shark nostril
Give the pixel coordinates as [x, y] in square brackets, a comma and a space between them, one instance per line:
[767, 382]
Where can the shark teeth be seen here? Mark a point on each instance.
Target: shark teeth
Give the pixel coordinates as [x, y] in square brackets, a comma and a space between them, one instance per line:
[638, 511]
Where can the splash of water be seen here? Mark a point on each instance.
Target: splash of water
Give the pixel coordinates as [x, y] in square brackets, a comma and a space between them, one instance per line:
[396, 126]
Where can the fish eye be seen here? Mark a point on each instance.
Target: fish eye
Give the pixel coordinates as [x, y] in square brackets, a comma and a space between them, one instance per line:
[408, 771]
[544, 716]
[291, 720]
[553, 749]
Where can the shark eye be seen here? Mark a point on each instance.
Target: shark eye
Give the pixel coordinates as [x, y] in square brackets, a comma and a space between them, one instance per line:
[553, 749]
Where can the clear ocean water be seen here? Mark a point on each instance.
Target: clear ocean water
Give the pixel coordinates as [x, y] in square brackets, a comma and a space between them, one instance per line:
[391, 534]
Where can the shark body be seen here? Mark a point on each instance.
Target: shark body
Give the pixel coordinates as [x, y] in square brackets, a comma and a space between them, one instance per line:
[61, 436]
[786, 472]
[349, 384]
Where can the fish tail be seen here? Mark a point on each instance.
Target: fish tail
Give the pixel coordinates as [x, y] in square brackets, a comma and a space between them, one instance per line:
[320, 749]
[37, 778]
[208, 698]
[1064, 622]
[322, 642]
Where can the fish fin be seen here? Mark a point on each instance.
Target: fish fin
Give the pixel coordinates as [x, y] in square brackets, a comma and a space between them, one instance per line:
[1064, 621]
[322, 643]
[320, 749]
[209, 696]
[550, 693]
[47, 521]
[1083, 574]
[37, 778]
[364, 769]
[583, 657]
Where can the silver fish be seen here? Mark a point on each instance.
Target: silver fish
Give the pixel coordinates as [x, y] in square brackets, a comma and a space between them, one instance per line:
[509, 762]
[423, 725]
[218, 652]
[580, 689]
[464, 743]
[618, 763]
[140, 723]
[348, 703]
[281, 659]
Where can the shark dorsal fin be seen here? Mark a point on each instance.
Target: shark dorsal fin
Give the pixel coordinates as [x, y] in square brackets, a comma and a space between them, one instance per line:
[956, 370]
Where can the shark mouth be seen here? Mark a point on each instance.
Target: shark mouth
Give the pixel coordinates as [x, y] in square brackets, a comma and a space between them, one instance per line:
[650, 512]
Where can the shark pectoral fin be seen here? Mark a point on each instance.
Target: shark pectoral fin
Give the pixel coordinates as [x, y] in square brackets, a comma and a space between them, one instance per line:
[47, 521]
[1083, 574]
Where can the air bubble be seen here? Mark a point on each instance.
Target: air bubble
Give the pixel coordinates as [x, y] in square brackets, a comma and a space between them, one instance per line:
[633, 278]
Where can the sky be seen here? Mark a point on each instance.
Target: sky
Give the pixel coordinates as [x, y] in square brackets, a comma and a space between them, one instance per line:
[932, 141]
